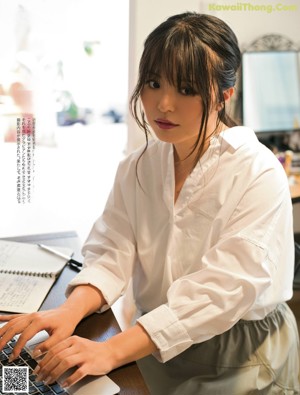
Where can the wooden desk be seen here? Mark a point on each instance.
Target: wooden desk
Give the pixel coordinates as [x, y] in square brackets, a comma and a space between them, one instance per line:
[98, 327]
[294, 304]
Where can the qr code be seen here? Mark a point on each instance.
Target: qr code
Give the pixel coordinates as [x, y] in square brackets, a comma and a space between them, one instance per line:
[15, 379]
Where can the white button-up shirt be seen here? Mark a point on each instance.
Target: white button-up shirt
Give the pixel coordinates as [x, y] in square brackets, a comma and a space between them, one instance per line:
[223, 252]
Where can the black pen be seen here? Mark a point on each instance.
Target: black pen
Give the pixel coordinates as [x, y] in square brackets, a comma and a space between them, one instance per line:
[75, 265]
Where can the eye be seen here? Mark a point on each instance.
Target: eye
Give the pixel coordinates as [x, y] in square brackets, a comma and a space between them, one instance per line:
[153, 84]
[187, 91]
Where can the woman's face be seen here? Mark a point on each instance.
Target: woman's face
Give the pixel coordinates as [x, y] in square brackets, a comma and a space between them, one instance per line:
[174, 115]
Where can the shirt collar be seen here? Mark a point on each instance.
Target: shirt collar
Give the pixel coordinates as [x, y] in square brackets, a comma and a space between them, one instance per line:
[238, 136]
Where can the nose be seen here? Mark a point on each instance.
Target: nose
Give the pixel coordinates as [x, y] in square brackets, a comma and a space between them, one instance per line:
[166, 101]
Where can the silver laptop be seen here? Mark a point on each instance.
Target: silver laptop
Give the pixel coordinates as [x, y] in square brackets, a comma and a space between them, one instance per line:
[91, 385]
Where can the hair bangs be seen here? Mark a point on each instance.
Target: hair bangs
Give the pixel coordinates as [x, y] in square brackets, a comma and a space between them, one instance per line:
[176, 58]
[178, 65]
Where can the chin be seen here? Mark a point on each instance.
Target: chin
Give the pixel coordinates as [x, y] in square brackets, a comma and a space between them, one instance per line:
[163, 138]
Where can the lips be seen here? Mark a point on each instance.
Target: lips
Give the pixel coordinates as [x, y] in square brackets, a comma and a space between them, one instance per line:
[165, 124]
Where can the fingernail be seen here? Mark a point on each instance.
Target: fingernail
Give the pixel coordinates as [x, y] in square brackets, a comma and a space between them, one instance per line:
[48, 380]
[39, 377]
[36, 370]
[11, 357]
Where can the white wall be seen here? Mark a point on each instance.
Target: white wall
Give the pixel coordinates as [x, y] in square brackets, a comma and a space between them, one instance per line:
[247, 23]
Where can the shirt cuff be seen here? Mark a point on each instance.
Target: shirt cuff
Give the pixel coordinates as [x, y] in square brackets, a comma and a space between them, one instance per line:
[166, 331]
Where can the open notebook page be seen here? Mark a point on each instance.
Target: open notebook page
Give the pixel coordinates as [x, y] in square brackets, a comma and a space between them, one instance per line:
[30, 258]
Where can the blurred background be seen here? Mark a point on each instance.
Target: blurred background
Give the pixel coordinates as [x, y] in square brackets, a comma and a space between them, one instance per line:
[64, 66]
[67, 69]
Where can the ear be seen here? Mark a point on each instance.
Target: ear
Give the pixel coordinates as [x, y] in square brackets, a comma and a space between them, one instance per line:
[228, 93]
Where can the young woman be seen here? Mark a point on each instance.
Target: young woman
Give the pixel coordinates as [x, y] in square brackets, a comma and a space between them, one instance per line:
[201, 221]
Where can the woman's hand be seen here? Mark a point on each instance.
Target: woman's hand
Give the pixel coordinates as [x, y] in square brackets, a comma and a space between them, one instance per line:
[88, 357]
[65, 352]
[91, 358]
[60, 323]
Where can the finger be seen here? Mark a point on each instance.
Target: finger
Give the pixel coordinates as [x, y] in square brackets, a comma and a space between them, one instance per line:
[61, 349]
[11, 321]
[20, 344]
[55, 363]
[26, 335]
[2, 331]
[6, 323]
[6, 336]
[9, 317]
[68, 371]
[73, 378]
[56, 337]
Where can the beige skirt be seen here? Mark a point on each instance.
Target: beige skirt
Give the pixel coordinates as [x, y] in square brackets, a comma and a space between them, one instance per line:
[253, 357]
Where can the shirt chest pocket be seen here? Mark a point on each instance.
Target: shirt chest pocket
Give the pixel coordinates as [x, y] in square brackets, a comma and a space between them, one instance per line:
[191, 237]
[201, 215]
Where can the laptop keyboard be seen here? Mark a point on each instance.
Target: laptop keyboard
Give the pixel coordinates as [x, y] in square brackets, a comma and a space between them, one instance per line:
[25, 359]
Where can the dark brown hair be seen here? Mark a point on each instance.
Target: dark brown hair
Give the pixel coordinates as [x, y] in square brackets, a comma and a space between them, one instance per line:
[195, 48]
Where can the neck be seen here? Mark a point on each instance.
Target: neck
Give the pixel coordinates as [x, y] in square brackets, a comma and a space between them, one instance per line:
[185, 157]
[184, 152]
[182, 168]
[185, 161]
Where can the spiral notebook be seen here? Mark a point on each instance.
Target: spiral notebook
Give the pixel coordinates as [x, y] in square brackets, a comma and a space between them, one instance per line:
[27, 274]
